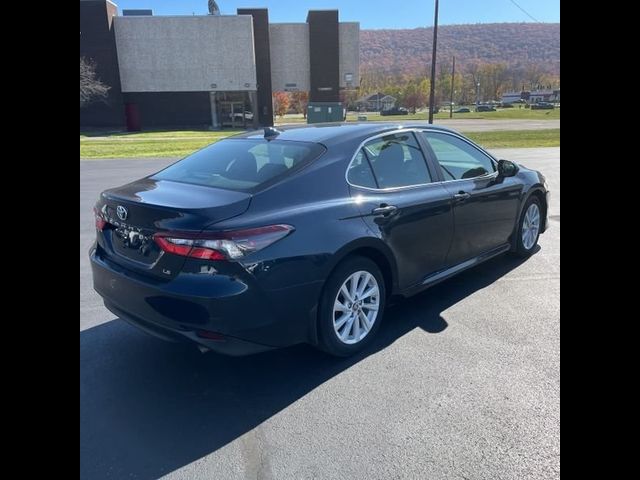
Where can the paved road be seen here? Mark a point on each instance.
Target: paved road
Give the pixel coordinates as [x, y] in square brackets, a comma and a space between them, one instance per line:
[462, 382]
[480, 125]
[470, 125]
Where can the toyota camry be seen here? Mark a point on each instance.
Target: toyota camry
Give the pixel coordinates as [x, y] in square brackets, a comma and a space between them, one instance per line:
[302, 235]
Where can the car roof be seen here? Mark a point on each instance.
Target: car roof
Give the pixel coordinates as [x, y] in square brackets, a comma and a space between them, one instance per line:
[333, 133]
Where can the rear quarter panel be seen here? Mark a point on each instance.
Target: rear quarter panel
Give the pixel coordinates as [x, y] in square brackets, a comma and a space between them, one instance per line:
[317, 202]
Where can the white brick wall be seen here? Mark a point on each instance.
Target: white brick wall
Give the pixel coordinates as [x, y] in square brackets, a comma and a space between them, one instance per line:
[289, 44]
[350, 52]
[188, 53]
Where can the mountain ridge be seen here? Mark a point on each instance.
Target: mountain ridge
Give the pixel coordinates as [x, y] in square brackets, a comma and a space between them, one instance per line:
[408, 51]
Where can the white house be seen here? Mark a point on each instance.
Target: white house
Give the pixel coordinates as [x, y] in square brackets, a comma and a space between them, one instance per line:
[376, 102]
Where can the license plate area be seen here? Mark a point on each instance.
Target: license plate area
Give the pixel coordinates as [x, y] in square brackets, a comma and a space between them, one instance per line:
[134, 244]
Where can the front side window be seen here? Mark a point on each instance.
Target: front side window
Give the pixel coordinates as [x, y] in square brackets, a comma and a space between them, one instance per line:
[241, 164]
[392, 161]
[457, 158]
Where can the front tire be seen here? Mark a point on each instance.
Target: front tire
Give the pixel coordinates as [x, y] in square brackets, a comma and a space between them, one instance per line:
[529, 226]
[351, 307]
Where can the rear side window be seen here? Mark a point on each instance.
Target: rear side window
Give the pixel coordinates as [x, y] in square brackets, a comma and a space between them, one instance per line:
[241, 164]
[391, 161]
[360, 172]
[457, 158]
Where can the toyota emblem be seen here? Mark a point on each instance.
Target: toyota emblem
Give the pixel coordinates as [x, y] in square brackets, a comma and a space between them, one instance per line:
[122, 212]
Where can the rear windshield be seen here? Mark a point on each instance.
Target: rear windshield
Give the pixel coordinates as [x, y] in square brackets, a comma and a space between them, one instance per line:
[241, 164]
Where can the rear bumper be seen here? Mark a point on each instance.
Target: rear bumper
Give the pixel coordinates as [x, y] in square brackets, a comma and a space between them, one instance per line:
[249, 318]
[228, 346]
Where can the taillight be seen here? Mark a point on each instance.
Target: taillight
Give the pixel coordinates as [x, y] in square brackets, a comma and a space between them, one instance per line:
[228, 245]
[100, 222]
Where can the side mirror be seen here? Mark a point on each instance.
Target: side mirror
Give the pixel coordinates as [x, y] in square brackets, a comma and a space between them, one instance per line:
[507, 168]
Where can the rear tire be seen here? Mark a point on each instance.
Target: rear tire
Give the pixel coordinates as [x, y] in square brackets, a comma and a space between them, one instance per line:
[352, 307]
[529, 226]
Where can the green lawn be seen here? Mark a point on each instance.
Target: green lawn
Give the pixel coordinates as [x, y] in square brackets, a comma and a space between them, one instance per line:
[152, 134]
[178, 143]
[517, 138]
[173, 143]
[505, 114]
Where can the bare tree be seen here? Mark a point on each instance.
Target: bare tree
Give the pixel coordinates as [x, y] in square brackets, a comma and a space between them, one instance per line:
[473, 70]
[91, 88]
[533, 75]
[495, 78]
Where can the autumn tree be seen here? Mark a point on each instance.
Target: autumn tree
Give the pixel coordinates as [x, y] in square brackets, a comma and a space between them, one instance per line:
[472, 77]
[495, 79]
[416, 94]
[91, 88]
[395, 89]
[443, 85]
[348, 98]
[516, 78]
[299, 102]
[280, 103]
[467, 93]
[533, 76]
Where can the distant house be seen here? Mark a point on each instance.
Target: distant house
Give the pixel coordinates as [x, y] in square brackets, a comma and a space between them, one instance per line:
[376, 102]
[533, 96]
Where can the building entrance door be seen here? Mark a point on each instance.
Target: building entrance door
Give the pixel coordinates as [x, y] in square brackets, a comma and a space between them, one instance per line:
[232, 114]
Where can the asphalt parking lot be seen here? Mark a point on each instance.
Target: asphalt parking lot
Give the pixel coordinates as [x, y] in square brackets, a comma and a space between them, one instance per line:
[462, 381]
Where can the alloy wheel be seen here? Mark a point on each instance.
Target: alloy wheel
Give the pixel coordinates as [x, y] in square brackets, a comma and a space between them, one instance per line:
[530, 226]
[356, 307]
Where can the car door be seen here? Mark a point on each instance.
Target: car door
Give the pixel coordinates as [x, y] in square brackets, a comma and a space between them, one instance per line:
[399, 200]
[485, 205]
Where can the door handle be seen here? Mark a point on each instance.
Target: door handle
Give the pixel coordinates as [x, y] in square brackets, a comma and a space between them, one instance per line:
[384, 210]
[461, 196]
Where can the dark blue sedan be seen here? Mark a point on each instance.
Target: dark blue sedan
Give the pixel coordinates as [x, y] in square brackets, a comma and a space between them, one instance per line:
[278, 237]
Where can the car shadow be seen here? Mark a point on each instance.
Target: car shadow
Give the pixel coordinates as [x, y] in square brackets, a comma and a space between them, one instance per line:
[148, 407]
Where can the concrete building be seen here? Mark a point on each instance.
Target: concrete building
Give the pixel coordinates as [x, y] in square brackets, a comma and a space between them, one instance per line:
[217, 70]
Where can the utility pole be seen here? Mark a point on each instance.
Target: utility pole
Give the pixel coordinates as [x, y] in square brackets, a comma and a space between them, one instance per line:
[477, 95]
[453, 77]
[432, 90]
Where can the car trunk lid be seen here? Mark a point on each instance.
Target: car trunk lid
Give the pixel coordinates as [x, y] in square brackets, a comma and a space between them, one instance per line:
[137, 211]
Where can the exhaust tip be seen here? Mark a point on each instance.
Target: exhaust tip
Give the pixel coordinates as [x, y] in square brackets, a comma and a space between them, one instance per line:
[203, 349]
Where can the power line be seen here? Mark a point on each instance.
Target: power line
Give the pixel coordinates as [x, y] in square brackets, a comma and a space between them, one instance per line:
[525, 12]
